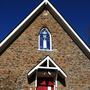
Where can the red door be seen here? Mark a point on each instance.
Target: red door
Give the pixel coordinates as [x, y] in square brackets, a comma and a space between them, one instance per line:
[45, 84]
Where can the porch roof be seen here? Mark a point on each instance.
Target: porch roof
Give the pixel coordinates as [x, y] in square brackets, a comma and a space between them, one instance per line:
[49, 65]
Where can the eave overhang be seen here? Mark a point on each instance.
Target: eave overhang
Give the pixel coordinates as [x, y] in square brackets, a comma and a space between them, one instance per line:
[49, 68]
[45, 4]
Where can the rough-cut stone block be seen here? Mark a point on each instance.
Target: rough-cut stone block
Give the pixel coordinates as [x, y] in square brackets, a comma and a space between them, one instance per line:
[23, 55]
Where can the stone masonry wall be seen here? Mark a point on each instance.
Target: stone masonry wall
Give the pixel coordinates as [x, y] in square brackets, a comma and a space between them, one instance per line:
[23, 55]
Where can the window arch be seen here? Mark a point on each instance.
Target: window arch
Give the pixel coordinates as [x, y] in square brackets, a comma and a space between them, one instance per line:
[45, 42]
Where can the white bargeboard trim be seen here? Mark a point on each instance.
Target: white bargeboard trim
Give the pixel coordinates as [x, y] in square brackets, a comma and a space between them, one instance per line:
[51, 8]
[52, 68]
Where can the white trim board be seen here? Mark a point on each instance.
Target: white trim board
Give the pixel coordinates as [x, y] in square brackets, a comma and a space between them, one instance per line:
[47, 59]
[57, 16]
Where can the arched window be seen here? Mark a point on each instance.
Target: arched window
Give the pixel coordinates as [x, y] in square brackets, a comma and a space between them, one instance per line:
[45, 40]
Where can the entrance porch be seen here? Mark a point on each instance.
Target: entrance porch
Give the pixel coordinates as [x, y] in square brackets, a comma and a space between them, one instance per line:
[46, 76]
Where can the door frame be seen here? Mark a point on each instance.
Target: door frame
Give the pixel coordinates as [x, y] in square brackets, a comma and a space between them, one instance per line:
[46, 82]
[55, 83]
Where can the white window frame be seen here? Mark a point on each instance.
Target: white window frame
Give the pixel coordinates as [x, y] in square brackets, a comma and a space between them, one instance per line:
[50, 41]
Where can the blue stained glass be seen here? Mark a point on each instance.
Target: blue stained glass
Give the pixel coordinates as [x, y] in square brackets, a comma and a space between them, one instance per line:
[44, 39]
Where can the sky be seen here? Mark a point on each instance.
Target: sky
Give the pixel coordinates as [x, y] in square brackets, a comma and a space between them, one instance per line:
[75, 12]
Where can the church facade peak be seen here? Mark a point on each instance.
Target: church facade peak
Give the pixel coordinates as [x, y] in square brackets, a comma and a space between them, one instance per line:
[57, 16]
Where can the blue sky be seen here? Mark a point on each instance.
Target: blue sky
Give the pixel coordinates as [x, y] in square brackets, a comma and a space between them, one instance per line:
[76, 13]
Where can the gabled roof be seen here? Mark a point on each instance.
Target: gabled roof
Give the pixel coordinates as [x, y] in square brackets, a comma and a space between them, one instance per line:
[50, 65]
[57, 16]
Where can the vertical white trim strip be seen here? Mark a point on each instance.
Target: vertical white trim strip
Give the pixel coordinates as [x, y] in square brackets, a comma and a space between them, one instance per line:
[36, 80]
[39, 42]
[50, 42]
[49, 88]
[47, 63]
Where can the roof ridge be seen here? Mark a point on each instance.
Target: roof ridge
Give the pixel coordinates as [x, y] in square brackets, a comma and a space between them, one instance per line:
[45, 3]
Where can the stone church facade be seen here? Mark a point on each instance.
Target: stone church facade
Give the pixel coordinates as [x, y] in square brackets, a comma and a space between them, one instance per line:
[23, 54]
